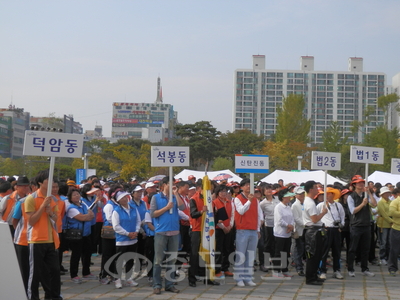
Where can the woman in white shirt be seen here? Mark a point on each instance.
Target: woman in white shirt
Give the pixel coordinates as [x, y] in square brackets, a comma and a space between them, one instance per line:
[126, 224]
[283, 228]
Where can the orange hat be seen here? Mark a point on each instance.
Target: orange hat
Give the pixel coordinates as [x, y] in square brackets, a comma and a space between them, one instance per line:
[344, 192]
[334, 191]
[357, 178]
[191, 177]
[320, 192]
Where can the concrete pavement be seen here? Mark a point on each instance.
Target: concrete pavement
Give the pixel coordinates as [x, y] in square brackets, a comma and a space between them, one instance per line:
[382, 286]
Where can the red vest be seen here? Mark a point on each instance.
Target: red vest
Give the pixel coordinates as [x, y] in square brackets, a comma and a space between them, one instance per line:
[186, 211]
[196, 223]
[249, 220]
[218, 204]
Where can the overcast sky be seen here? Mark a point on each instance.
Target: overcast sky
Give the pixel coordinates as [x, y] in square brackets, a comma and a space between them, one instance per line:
[78, 57]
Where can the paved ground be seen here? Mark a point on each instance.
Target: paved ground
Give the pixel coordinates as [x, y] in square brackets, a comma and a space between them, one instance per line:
[382, 286]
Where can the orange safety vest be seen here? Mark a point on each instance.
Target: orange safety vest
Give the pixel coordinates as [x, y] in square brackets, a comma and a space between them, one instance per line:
[10, 205]
[39, 232]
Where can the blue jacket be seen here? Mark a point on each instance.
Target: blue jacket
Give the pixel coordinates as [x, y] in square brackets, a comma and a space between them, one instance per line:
[74, 223]
[148, 231]
[114, 205]
[127, 222]
[94, 209]
[167, 221]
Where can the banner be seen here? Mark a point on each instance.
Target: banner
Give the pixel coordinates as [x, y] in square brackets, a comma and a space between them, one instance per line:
[207, 246]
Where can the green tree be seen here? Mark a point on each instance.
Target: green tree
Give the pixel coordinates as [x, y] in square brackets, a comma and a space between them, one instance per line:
[381, 137]
[239, 142]
[223, 163]
[333, 138]
[292, 124]
[385, 101]
[203, 140]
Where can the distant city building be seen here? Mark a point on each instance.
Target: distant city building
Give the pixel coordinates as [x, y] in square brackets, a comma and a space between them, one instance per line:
[95, 134]
[150, 121]
[13, 123]
[66, 124]
[340, 96]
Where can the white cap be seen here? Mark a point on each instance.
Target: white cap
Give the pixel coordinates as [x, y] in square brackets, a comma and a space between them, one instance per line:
[121, 195]
[383, 190]
[137, 188]
[150, 184]
[298, 190]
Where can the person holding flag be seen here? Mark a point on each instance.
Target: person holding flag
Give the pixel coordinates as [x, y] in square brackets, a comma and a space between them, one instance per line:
[248, 218]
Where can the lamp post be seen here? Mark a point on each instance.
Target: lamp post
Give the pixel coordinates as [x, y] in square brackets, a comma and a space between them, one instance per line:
[299, 159]
[86, 163]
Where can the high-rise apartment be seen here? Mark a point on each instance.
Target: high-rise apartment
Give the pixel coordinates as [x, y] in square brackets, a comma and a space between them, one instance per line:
[340, 96]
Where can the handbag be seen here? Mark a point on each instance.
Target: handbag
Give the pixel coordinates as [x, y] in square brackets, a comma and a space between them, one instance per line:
[107, 232]
[73, 234]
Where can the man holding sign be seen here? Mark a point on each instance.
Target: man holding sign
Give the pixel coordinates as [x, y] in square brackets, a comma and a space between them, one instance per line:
[360, 231]
[43, 242]
[166, 236]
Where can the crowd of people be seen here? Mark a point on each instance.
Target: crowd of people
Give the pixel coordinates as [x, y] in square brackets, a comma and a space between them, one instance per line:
[135, 226]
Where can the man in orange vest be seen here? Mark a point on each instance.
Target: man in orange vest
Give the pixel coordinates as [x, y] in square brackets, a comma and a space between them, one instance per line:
[197, 210]
[43, 242]
[9, 201]
[248, 218]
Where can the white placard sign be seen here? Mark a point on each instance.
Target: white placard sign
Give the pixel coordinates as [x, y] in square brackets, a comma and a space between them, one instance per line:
[251, 163]
[169, 156]
[395, 167]
[366, 155]
[56, 144]
[325, 160]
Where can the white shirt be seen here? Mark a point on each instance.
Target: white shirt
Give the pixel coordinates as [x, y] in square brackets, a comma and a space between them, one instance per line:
[297, 210]
[242, 208]
[283, 217]
[335, 213]
[268, 208]
[310, 210]
[120, 230]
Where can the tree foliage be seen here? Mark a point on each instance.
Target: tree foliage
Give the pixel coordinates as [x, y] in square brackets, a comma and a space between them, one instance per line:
[333, 138]
[292, 124]
[283, 155]
[381, 137]
[223, 163]
[203, 140]
[385, 101]
[239, 142]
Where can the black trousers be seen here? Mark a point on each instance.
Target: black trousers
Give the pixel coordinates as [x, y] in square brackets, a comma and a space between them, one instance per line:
[195, 268]
[97, 238]
[129, 262]
[23, 261]
[63, 247]
[332, 242]
[222, 250]
[184, 253]
[360, 238]
[149, 252]
[80, 250]
[109, 249]
[269, 245]
[313, 260]
[45, 268]
[281, 245]
[261, 245]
